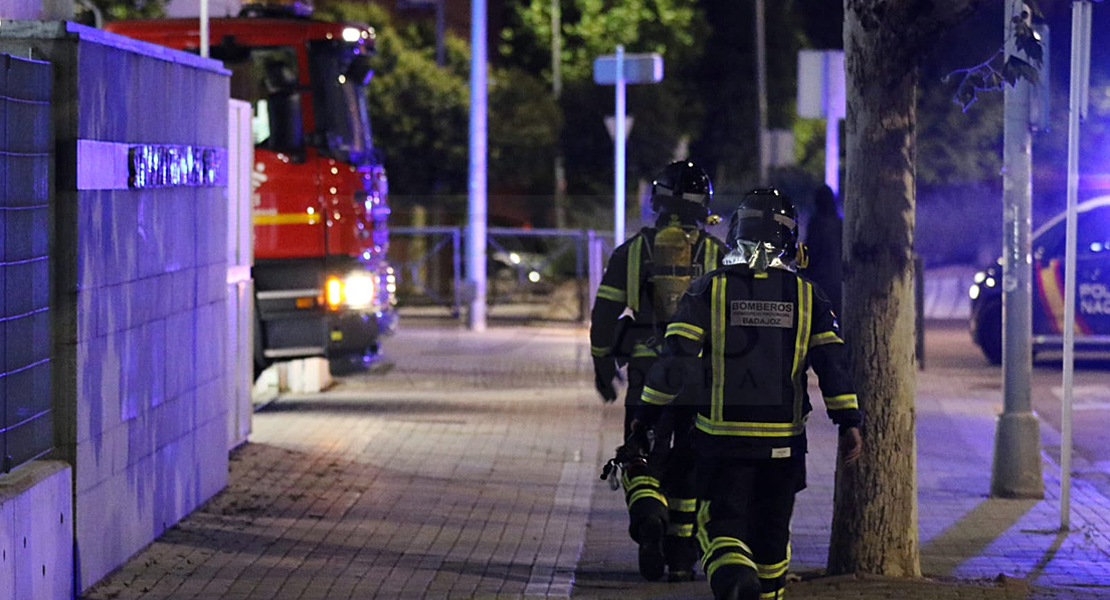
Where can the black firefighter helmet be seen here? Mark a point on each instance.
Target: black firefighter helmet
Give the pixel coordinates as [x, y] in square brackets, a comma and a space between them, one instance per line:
[682, 188]
[765, 216]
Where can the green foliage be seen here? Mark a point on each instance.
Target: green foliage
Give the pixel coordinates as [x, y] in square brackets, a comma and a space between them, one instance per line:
[957, 146]
[523, 132]
[419, 113]
[131, 9]
[726, 85]
[663, 113]
[594, 27]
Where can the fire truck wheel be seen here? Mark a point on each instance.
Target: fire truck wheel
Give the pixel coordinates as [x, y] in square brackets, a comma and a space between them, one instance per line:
[260, 361]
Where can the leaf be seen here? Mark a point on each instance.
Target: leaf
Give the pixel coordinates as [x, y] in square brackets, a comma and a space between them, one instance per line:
[1016, 68]
[1032, 48]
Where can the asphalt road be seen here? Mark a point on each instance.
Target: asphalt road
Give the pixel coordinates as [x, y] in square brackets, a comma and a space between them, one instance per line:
[950, 351]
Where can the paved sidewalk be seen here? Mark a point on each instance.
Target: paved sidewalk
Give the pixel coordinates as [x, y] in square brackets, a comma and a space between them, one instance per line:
[469, 470]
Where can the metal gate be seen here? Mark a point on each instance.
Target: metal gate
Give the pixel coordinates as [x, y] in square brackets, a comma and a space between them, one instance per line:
[533, 274]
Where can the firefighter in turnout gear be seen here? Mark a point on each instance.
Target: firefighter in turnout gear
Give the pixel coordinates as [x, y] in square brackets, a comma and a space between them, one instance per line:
[646, 276]
[754, 327]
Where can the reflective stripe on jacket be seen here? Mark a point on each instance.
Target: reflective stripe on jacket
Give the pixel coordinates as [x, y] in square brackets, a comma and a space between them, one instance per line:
[758, 334]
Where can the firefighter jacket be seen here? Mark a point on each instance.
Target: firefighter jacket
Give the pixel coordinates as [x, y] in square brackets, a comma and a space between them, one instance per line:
[757, 335]
[627, 285]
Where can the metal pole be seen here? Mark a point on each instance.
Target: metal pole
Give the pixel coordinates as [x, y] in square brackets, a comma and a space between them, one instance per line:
[204, 28]
[1016, 472]
[618, 195]
[557, 90]
[1077, 107]
[456, 270]
[439, 32]
[476, 185]
[761, 88]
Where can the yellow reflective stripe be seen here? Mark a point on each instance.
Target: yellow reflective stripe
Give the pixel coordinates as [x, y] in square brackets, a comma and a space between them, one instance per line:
[801, 344]
[297, 218]
[644, 351]
[683, 504]
[773, 571]
[640, 480]
[633, 283]
[710, 256]
[599, 351]
[609, 292]
[717, 341]
[775, 595]
[727, 542]
[749, 429]
[646, 493]
[729, 558]
[825, 337]
[686, 330]
[676, 530]
[653, 396]
[702, 520]
[841, 402]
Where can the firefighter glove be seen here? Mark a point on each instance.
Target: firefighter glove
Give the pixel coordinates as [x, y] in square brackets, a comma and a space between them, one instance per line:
[850, 444]
[605, 370]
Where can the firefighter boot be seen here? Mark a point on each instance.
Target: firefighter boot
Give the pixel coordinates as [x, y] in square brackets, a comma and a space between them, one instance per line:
[649, 535]
[735, 582]
[681, 553]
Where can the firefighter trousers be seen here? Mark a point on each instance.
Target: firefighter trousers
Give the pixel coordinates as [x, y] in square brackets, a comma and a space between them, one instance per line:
[663, 487]
[743, 522]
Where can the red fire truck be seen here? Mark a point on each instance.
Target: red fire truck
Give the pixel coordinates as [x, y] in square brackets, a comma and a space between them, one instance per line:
[322, 284]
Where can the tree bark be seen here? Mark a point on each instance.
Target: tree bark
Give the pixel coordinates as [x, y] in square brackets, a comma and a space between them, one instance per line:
[875, 507]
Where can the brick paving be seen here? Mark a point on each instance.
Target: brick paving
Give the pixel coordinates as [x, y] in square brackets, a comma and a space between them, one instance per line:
[466, 467]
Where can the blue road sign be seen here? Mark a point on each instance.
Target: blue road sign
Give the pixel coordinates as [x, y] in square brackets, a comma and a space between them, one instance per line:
[638, 68]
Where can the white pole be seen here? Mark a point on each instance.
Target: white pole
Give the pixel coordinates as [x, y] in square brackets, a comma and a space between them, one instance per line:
[1080, 55]
[204, 28]
[618, 198]
[832, 152]
[476, 186]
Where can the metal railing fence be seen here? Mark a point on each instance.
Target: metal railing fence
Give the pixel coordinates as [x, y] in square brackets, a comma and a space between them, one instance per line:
[26, 147]
[532, 274]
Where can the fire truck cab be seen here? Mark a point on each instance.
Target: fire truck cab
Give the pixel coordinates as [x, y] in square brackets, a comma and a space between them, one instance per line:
[320, 208]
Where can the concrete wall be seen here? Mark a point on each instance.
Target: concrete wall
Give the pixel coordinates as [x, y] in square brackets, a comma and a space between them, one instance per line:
[36, 533]
[36, 9]
[140, 371]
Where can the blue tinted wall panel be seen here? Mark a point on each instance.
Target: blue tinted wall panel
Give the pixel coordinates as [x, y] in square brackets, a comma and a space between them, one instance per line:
[26, 154]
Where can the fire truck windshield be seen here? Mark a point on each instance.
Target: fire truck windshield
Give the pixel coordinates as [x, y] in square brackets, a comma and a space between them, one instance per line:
[339, 73]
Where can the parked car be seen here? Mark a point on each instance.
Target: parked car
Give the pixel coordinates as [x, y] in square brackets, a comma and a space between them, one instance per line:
[1092, 310]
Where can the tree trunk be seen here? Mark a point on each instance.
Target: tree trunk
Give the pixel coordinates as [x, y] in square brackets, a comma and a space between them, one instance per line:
[875, 507]
[875, 519]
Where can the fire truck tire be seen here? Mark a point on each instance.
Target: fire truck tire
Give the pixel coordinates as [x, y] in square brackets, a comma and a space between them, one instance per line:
[259, 346]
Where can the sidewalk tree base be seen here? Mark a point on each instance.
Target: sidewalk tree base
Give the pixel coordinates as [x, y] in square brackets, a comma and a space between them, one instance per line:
[1016, 471]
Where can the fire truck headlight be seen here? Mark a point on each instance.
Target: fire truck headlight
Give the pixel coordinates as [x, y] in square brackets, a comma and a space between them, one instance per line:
[360, 290]
[351, 34]
[333, 292]
[973, 291]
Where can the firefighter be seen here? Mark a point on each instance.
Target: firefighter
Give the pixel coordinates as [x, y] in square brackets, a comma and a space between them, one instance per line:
[646, 276]
[755, 327]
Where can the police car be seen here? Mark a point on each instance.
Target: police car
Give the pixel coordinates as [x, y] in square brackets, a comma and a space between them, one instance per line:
[1092, 311]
